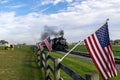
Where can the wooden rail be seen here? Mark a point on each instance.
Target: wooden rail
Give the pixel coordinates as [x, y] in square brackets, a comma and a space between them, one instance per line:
[43, 58]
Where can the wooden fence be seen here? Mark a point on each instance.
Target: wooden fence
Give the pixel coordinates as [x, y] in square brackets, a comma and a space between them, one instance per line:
[43, 58]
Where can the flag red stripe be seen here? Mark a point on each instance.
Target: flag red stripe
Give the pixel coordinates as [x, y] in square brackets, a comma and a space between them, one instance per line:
[98, 58]
[49, 46]
[94, 60]
[41, 47]
[100, 53]
[108, 62]
[113, 61]
[110, 58]
[86, 43]
[111, 55]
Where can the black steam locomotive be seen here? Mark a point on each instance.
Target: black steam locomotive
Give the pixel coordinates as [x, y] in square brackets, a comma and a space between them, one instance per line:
[59, 44]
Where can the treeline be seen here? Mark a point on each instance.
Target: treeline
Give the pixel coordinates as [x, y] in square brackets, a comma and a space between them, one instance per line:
[115, 42]
[3, 42]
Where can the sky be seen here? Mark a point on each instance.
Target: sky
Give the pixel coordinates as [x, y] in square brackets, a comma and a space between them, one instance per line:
[24, 21]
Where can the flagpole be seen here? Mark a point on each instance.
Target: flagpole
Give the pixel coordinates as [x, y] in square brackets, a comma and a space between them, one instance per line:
[107, 19]
[102, 24]
[76, 45]
[70, 51]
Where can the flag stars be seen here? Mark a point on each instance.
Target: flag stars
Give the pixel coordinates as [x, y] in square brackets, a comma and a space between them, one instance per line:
[103, 36]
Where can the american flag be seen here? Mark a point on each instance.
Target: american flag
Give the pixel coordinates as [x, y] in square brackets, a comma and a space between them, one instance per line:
[100, 49]
[39, 45]
[48, 43]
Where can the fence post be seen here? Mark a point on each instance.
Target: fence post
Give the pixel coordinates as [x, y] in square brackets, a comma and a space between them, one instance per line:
[46, 65]
[57, 69]
[41, 65]
[38, 57]
[92, 76]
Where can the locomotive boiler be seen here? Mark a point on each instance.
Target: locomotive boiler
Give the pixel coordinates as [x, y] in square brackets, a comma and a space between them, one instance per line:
[59, 44]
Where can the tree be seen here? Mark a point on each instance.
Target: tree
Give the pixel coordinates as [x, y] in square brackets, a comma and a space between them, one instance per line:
[117, 42]
[24, 43]
[3, 41]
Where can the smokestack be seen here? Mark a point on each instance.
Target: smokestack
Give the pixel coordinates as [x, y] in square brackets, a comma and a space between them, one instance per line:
[61, 33]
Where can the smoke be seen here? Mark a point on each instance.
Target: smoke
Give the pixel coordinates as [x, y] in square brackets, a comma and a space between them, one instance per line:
[61, 33]
[52, 32]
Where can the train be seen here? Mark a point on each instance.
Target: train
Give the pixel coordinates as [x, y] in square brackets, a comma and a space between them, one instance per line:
[59, 44]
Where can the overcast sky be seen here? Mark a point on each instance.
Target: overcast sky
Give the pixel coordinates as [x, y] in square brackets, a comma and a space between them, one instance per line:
[23, 21]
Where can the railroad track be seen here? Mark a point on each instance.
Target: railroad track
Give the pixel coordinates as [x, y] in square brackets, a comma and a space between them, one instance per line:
[117, 60]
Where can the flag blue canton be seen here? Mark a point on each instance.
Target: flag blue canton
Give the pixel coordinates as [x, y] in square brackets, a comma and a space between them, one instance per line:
[103, 35]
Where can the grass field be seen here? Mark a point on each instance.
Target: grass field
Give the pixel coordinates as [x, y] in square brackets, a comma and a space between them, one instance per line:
[80, 66]
[16, 65]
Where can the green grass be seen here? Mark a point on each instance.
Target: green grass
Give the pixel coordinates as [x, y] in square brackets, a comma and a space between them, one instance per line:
[16, 65]
[116, 50]
[80, 48]
[80, 66]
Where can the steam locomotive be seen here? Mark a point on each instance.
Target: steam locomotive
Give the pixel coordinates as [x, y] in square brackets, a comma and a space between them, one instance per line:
[59, 44]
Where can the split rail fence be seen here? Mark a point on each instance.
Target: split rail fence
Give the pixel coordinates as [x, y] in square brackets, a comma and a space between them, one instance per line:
[43, 58]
